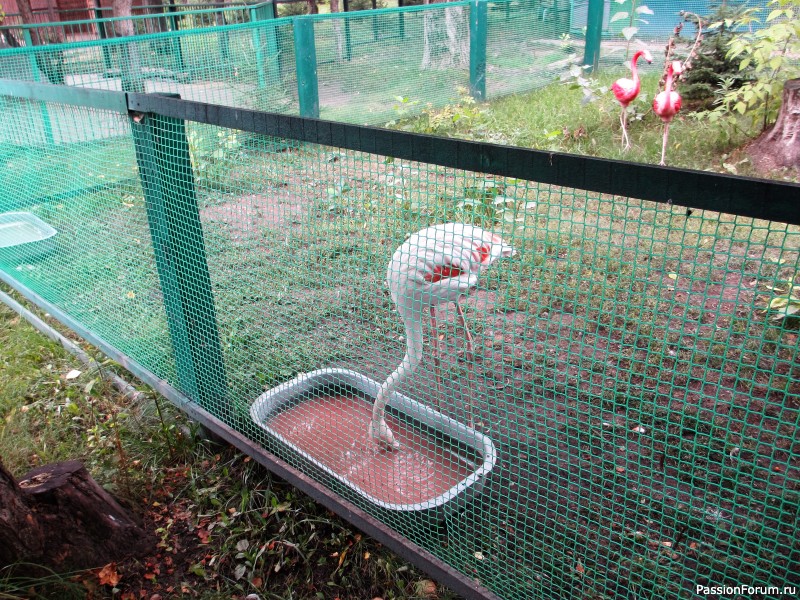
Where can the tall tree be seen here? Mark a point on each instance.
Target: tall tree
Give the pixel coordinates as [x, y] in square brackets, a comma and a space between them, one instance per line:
[337, 29]
[446, 38]
[26, 12]
[51, 63]
[130, 61]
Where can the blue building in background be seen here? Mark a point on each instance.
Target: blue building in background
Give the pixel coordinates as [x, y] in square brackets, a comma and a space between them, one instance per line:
[666, 15]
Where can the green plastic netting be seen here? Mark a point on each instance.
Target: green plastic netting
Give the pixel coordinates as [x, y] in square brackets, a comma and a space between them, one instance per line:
[625, 424]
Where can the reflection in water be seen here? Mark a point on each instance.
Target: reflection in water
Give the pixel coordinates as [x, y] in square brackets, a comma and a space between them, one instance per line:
[333, 430]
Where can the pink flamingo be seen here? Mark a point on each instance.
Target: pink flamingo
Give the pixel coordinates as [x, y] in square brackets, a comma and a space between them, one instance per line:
[437, 265]
[626, 91]
[667, 103]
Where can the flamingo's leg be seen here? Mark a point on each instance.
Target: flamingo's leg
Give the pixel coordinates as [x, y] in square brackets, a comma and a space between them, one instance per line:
[436, 350]
[463, 321]
[664, 144]
[623, 119]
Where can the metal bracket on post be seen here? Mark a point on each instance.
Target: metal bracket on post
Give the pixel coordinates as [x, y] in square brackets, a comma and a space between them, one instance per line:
[165, 170]
[594, 34]
[306, 60]
[265, 38]
[477, 49]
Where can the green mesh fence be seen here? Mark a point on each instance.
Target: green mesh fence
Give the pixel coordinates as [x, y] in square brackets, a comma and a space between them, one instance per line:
[363, 67]
[371, 66]
[99, 23]
[624, 424]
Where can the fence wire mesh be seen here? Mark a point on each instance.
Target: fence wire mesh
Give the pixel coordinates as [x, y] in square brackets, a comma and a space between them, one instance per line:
[366, 66]
[624, 424]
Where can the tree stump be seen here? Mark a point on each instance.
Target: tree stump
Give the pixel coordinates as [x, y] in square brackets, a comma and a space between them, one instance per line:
[779, 146]
[58, 516]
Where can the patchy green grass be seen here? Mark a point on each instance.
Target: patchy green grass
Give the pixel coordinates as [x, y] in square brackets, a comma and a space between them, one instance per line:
[555, 118]
[224, 527]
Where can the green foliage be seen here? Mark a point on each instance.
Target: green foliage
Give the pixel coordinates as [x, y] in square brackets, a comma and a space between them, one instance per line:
[365, 4]
[211, 154]
[786, 300]
[292, 9]
[712, 65]
[634, 15]
[487, 204]
[461, 115]
[769, 54]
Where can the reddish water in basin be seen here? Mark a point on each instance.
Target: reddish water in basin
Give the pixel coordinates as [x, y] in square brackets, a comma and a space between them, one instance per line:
[333, 430]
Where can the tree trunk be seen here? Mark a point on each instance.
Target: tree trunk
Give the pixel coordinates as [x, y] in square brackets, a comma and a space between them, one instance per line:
[26, 12]
[58, 517]
[130, 61]
[337, 30]
[51, 64]
[780, 146]
[446, 39]
[312, 8]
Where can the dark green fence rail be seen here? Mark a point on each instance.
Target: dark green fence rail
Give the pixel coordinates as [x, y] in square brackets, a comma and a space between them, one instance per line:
[631, 365]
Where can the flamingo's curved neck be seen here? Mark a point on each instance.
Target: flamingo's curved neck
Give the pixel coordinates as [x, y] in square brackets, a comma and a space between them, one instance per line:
[634, 69]
[668, 83]
[409, 364]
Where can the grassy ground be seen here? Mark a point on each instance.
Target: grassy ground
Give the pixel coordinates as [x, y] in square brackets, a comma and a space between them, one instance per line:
[627, 368]
[643, 398]
[555, 118]
[222, 526]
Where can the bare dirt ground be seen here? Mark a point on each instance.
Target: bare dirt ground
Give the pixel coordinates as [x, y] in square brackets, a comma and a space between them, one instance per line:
[630, 451]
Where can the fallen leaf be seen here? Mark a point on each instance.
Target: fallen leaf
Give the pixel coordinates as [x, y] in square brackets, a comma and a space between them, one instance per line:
[74, 374]
[108, 575]
[131, 295]
[579, 568]
[256, 582]
[341, 557]
[620, 469]
[479, 555]
[673, 275]
[427, 589]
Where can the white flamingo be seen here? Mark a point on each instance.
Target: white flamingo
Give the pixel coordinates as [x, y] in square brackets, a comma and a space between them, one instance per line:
[434, 266]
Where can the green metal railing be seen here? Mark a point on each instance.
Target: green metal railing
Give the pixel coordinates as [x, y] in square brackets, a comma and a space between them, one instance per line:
[354, 66]
[637, 382]
[169, 18]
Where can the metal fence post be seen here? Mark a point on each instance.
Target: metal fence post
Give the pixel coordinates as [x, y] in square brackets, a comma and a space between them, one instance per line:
[265, 38]
[175, 25]
[47, 126]
[594, 33]
[348, 39]
[401, 18]
[101, 32]
[165, 170]
[477, 48]
[306, 60]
